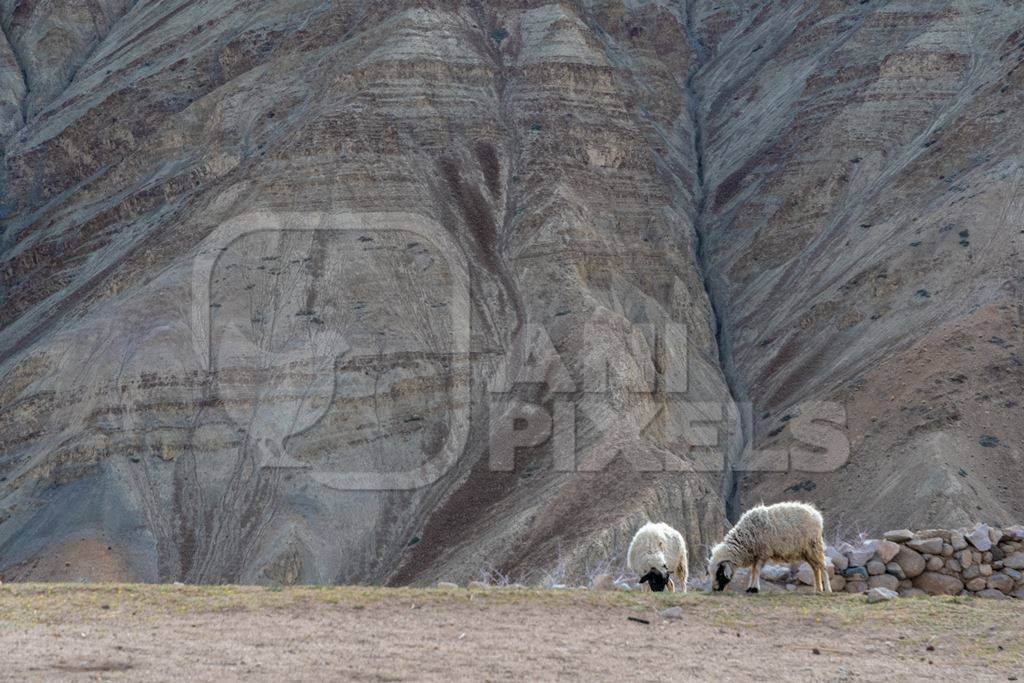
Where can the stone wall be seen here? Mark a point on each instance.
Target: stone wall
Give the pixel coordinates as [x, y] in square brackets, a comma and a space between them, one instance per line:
[984, 561]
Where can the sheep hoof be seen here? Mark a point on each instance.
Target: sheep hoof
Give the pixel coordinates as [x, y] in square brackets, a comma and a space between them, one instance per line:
[752, 589]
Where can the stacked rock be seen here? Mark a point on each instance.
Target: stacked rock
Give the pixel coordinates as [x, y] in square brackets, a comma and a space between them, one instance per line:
[984, 561]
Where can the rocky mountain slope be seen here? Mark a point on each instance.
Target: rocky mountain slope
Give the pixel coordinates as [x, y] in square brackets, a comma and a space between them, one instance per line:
[866, 218]
[805, 201]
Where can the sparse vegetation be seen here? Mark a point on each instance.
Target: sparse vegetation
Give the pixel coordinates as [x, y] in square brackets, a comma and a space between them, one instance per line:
[309, 630]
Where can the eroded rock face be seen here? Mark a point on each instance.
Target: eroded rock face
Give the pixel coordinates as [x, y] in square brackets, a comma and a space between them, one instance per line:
[52, 39]
[589, 168]
[12, 90]
[864, 214]
[548, 147]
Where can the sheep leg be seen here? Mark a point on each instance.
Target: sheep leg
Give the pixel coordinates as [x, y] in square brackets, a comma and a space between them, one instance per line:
[811, 557]
[671, 585]
[816, 570]
[816, 558]
[826, 584]
[755, 577]
[683, 573]
[821, 580]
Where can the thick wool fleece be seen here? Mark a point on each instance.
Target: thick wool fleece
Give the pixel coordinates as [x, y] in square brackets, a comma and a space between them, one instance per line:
[784, 532]
[658, 546]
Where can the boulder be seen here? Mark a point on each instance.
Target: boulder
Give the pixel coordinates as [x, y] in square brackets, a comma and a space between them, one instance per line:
[839, 560]
[957, 540]
[775, 572]
[887, 581]
[896, 570]
[1015, 561]
[934, 564]
[912, 593]
[975, 585]
[856, 573]
[480, 585]
[972, 572]
[997, 553]
[995, 535]
[992, 594]
[898, 535]
[947, 550]
[938, 584]
[672, 613]
[979, 538]
[603, 582]
[856, 586]
[985, 570]
[859, 557]
[944, 534]
[766, 587]
[887, 550]
[875, 567]
[1000, 582]
[447, 585]
[1016, 531]
[932, 546]
[1018, 593]
[1013, 573]
[740, 581]
[965, 558]
[805, 575]
[953, 565]
[911, 562]
[881, 595]
[838, 583]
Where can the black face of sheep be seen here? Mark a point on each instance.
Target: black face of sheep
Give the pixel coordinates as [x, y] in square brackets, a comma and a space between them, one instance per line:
[656, 579]
[722, 576]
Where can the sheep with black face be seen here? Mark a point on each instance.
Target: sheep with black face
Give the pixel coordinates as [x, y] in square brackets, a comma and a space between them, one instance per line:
[784, 532]
[656, 551]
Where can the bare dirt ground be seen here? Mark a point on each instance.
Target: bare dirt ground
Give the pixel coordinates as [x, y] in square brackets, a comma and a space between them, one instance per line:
[136, 632]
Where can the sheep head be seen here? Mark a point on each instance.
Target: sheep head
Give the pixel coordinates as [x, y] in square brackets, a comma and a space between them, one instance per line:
[656, 578]
[720, 567]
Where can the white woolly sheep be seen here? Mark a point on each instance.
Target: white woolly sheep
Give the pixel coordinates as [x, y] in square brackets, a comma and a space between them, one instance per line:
[784, 532]
[655, 552]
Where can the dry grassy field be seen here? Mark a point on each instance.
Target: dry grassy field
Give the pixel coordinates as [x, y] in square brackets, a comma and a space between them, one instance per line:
[162, 632]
